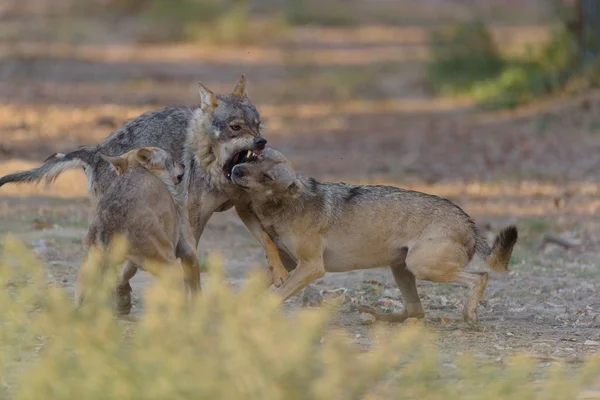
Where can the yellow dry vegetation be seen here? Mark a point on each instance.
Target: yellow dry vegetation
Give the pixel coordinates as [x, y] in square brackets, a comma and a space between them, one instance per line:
[229, 344]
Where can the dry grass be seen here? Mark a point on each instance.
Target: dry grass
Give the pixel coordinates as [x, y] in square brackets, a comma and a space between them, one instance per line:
[227, 345]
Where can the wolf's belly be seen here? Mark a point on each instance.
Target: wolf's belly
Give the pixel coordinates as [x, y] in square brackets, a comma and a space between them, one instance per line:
[345, 252]
[343, 260]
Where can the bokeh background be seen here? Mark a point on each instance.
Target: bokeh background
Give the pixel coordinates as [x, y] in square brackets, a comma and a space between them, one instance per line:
[491, 103]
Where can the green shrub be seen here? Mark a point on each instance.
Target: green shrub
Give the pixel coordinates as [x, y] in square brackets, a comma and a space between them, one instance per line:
[463, 55]
[228, 345]
[165, 20]
[325, 13]
[545, 71]
[465, 61]
[126, 6]
[212, 21]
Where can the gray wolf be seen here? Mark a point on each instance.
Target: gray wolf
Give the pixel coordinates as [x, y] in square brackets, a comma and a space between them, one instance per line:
[209, 140]
[336, 227]
[143, 207]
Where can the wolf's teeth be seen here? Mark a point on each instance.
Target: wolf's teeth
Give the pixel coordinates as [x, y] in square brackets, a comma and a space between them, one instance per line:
[249, 154]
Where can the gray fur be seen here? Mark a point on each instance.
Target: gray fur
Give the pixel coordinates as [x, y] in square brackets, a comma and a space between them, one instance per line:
[202, 138]
[52, 167]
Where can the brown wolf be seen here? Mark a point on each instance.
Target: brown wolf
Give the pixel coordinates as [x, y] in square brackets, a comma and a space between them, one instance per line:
[335, 227]
[143, 206]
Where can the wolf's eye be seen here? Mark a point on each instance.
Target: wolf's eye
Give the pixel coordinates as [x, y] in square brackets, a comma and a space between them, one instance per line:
[235, 127]
[268, 177]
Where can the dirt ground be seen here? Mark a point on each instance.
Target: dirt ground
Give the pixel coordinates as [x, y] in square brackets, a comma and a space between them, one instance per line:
[343, 104]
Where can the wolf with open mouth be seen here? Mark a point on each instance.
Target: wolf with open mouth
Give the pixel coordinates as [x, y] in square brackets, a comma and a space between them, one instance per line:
[209, 140]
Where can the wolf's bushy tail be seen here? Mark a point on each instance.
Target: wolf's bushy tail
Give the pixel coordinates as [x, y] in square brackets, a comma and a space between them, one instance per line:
[52, 167]
[497, 256]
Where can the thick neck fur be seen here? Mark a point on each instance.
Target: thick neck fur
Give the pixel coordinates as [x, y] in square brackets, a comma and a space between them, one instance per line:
[201, 147]
[277, 207]
[178, 198]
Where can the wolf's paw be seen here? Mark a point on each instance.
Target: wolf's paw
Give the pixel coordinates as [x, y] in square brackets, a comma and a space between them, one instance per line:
[470, 317]
[279, 276]
[367, 310]
[123, 300]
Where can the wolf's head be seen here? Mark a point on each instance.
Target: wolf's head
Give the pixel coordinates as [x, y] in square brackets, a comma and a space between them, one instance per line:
[155, 160]
[270, 177]
[231, 129]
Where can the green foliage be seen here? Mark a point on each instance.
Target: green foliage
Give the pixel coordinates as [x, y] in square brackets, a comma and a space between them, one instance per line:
[463, 55]
[325, 13]
[227, 345]
[126, 6]
[470, 64]
[213, 21]
[545, 71]
[237, 26]
[174, 19]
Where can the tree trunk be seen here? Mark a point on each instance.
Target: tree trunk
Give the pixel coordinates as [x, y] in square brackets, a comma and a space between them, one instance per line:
[589, 28]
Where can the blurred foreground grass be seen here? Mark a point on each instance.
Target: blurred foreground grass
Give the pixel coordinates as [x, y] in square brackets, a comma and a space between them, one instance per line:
[228, 345]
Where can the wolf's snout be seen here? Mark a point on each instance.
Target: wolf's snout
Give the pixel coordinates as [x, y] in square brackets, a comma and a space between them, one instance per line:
[260, 143]
[237, 172]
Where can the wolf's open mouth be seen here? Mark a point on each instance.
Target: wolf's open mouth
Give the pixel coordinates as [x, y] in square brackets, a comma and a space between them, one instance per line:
[243, 156]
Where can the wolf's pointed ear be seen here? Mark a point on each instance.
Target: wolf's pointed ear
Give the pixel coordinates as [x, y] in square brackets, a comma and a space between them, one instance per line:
[208, 100]
[145, 156]
[118, 163]
[286, 177]
[240, 89]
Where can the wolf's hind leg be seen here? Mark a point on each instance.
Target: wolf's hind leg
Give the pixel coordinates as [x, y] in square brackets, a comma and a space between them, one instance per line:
[408, 289]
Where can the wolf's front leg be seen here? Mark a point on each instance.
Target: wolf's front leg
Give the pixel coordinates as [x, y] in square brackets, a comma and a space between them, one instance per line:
[306, 272]
[189, 262]
[200, 209]
[278, 271]
[123, 292]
